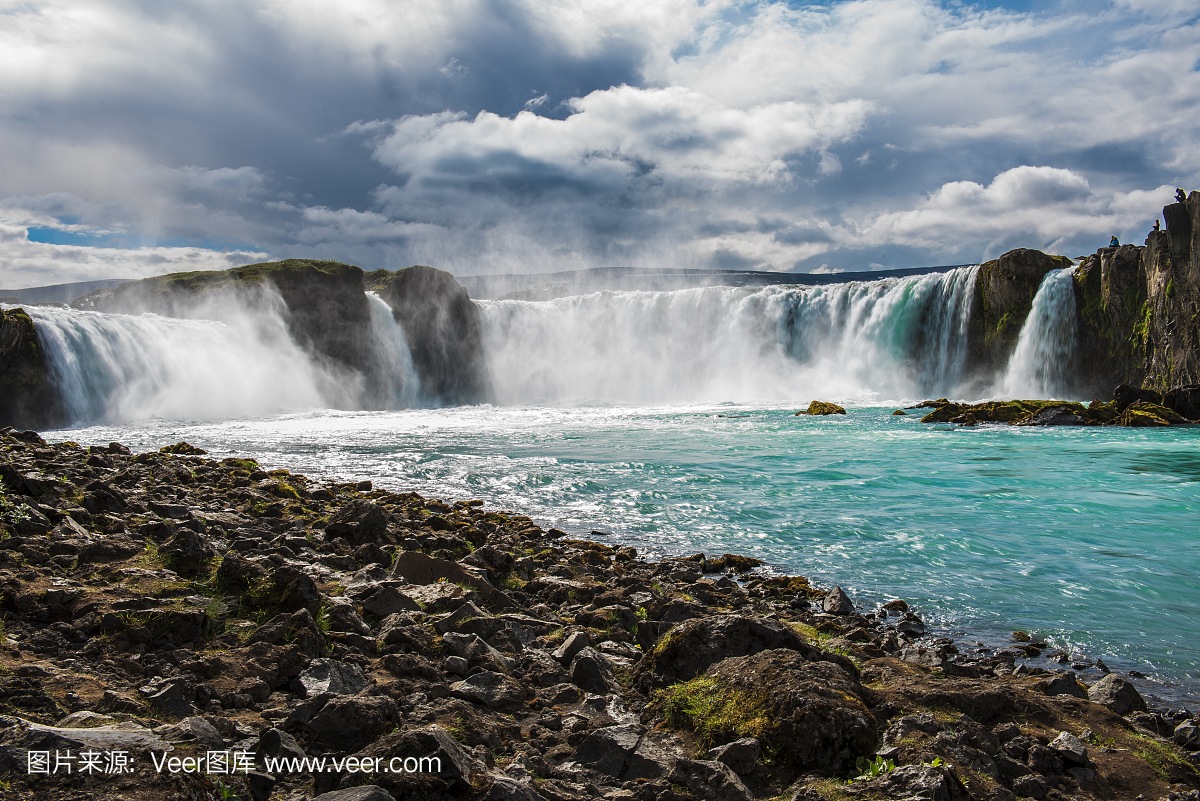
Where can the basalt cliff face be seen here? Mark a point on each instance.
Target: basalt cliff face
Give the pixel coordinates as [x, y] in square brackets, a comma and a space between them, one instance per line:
[1004, 292]
[28, 397]
[1139, 308]
[443, 329]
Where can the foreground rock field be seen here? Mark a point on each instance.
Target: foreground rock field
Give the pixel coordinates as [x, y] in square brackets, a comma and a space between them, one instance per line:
[197, 623]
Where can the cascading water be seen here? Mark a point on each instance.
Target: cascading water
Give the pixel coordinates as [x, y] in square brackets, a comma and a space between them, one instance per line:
[119, 367]
[399, 386]
[894, 338]
[1042, 363]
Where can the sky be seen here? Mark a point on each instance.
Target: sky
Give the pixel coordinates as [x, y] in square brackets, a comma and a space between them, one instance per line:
[490, 136]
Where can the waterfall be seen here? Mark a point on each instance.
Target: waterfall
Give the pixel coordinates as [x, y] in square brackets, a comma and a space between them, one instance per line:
[1042, 363]
[398, 385]
[888, 339]
[120, 367]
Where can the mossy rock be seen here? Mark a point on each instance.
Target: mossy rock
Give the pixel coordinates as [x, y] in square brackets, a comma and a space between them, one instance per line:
[822, 408]
[1144, 414]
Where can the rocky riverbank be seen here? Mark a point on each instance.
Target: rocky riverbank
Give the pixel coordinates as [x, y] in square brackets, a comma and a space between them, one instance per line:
[179, 627]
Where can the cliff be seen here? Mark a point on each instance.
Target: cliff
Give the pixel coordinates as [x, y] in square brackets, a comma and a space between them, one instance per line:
[28, 397]
[1139, 308]
[1004, 292]
[444, 332]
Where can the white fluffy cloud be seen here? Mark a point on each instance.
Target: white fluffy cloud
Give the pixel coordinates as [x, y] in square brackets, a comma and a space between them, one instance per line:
[492, 136]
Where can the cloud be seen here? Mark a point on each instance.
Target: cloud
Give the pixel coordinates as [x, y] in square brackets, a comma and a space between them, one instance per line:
[493, 135]
[1034, 205]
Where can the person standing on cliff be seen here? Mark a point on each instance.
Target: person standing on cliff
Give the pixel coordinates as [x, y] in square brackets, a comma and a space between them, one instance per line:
[1113, 243]
[1156, 227]
[1180, 195]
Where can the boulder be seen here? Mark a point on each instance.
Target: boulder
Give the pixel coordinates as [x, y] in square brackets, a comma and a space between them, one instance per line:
[809, 714]
[822, 408]
[1118, 694]
[837, 602]
[710, 780]
[331, 676]
[740, 755]
[690, 648]
[625, 753]
[1125, 396]
[348, 723]
[420, 568]
[923, 782]
[493, 690]
[1185, 400]
[451, 767]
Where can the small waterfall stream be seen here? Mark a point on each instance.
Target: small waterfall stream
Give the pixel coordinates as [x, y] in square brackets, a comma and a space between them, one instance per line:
[1043, 361]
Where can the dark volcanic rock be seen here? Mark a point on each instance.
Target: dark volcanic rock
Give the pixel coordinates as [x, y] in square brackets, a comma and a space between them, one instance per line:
[691, 647]
[443, 329]
[812, 713]
[1004, 292]
[29, 398]
[1118, 694]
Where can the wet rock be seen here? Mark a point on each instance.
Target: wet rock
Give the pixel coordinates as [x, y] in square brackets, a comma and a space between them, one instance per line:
[1187, 735]
[1118, 694]
[1125, 396]
[591, 671]
[1185, 400]
[822, 408]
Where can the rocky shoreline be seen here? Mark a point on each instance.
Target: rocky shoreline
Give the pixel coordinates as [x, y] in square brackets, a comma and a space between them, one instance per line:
[163, 609]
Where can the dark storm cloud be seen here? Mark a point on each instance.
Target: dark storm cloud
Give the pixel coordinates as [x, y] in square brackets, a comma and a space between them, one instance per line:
[493, 135]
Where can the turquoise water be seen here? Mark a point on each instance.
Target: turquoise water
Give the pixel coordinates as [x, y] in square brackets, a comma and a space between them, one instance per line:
[1085, 536]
